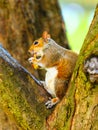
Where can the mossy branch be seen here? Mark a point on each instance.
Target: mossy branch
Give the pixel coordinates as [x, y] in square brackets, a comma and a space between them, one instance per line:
[21, 99]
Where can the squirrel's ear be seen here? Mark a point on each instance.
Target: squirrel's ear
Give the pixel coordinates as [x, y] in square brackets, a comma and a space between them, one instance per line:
[45, 35]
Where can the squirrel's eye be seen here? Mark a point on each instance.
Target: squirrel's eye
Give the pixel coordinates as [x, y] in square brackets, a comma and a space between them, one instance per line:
[35, 43]
[38, 57]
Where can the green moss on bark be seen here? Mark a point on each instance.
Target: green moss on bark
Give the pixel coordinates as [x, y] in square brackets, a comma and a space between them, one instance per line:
[26, 108]
[76, 109]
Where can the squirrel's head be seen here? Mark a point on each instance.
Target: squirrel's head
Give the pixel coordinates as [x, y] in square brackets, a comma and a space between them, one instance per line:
[36, 49]
[39, 43]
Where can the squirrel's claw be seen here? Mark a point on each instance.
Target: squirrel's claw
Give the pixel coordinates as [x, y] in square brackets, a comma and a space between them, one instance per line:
[51, 102]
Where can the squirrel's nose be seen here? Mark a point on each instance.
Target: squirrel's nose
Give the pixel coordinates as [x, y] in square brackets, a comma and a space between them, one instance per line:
[30, 52]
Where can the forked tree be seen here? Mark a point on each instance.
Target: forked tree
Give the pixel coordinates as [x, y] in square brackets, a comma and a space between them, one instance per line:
[21, 99]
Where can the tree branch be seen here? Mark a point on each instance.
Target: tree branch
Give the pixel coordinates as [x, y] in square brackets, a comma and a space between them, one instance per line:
[20, 97]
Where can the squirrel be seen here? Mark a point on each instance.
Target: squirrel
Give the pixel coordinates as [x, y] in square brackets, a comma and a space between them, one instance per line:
[59, 64]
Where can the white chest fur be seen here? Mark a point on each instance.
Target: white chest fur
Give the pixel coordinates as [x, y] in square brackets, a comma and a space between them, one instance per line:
[50, 80]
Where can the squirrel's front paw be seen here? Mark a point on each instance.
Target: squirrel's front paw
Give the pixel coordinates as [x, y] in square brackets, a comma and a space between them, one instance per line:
[51, 102]
[30, 60]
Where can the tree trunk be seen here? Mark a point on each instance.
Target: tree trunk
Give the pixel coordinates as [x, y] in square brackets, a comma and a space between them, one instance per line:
[22, 21]
[22, 101]
[79, 108]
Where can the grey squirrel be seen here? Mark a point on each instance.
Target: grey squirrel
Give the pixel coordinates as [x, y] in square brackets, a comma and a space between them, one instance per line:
[57, 61]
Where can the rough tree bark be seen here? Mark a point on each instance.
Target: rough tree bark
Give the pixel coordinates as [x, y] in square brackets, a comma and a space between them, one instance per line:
[79, 108]
[22, 101]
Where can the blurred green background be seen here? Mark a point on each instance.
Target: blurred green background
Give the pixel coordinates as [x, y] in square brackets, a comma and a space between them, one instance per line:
[77, 15]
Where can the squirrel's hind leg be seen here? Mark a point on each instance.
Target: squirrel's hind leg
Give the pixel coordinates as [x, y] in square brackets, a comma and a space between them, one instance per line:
[51, 102]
